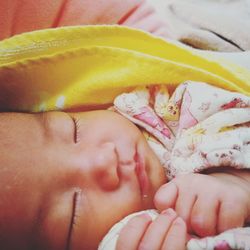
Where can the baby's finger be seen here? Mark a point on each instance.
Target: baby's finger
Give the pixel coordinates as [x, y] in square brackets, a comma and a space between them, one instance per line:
[166, 196]
[204, 216]
[157, 230]
[177, 236]
[130, 236]
[184, 211]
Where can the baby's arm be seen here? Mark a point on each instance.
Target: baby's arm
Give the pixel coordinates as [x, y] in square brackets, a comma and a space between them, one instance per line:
[167, 231]
[210, 204]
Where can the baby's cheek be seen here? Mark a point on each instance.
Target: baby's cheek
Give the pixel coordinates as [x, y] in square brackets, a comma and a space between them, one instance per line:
[54, 228]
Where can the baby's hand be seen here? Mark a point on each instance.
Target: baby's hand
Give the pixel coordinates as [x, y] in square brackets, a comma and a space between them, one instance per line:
[208, 204]
[167, 231]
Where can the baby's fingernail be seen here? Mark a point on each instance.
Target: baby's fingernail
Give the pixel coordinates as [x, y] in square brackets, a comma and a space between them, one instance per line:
[169, 212]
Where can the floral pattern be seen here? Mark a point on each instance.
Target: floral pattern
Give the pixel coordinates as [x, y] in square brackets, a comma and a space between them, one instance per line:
[195, 130]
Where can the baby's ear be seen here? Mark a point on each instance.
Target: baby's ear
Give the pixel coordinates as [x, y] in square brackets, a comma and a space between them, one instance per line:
[166, 196]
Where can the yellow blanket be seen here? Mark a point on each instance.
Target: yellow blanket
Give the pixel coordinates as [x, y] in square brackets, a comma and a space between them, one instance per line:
[78, 66]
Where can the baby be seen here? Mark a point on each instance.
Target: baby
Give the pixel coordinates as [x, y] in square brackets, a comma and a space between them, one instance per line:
[67, 178]
[84, 174]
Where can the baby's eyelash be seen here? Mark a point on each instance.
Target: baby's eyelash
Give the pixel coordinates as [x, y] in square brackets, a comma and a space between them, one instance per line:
[75, 215]
[77, 129]
[76, 200]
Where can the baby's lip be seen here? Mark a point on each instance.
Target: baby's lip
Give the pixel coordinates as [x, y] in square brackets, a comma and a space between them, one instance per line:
[141, 173]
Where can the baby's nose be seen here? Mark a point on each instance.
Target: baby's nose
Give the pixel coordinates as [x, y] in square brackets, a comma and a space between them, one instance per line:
[106, 166]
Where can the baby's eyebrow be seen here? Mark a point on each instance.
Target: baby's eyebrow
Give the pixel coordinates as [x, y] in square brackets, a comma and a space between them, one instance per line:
[45, 120]
[74, 215]
[51, 122]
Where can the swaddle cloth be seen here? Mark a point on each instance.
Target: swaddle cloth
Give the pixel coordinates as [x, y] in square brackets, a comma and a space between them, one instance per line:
[200, 126]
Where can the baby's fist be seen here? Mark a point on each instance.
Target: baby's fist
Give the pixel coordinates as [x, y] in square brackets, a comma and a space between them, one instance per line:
[208, 204]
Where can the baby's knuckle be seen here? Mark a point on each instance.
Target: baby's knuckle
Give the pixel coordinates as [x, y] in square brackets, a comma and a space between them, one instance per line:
[199, 225]
[239, 196]
[188, 181]
[197, 221]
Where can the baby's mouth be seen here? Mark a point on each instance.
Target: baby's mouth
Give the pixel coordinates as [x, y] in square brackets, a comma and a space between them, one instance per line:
[141, 174]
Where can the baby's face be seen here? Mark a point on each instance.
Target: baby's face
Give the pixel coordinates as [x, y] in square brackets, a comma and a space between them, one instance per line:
[65, 179]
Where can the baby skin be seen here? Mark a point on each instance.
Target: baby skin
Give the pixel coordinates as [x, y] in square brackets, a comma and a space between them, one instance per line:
[66, 178]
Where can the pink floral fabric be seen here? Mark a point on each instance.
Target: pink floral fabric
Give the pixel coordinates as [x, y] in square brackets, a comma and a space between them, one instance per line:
[238, 238]
[198, 127]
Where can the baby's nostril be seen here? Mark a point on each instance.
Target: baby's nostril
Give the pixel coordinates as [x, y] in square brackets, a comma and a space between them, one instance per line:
[108, 180]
